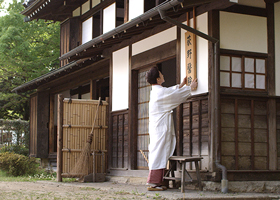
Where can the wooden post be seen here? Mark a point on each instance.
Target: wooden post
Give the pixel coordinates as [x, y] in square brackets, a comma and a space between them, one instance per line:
[59, 136]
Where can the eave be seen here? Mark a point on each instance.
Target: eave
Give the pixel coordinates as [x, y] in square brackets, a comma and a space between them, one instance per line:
[55, 74]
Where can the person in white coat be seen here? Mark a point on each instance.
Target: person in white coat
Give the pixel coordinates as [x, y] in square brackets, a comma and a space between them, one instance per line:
[161, 127]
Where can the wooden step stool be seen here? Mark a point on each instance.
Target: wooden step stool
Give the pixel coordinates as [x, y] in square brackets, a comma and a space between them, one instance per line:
[182, 160]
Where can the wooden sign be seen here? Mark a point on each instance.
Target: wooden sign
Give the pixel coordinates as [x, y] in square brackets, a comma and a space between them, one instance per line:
[190, 56]
[190, 44]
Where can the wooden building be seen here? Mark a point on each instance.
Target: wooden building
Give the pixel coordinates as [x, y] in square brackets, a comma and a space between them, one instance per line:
[107, 46]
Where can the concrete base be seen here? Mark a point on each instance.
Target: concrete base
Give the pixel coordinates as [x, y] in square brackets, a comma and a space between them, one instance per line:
[233, 186]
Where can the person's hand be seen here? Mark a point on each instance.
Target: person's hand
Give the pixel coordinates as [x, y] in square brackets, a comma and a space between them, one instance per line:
[184, 82]
[194, 84]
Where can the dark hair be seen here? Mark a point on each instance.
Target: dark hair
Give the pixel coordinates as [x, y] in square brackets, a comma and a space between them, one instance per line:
[152, 75]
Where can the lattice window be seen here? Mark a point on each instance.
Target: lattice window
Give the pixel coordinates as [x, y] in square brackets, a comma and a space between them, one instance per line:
[243, 72]
[144, 89]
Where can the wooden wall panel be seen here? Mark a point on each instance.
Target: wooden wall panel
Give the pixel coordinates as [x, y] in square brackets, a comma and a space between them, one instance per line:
[119, 140]
[196, 134]
[278, 132]
[43, 109]
[244, 133]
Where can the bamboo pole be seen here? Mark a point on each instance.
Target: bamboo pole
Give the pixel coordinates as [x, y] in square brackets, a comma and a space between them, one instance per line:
[59, 137]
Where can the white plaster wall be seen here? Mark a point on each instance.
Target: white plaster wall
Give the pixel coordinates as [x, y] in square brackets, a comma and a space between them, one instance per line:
[243, 32]
[87, 30]
[154, 41]
[120, 88]
[202, 54]
[277, 48]
[136, 8]
[109, 18]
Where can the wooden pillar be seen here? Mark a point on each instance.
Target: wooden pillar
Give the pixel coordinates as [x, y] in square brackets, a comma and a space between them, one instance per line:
[214, 121]
[270, 49]
[179, 110]
[272, 133]
[132, 115]
[59, 136]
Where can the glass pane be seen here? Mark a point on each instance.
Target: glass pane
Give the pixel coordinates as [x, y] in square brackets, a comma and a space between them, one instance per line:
[236, 64]
[236, 80]
[225, 63]
[142, 79]
[249, 81]
[249, 65]
[143, 126]
[144, 94]
[224, 79]
[143, 110]
[260, 82]
[260, 66]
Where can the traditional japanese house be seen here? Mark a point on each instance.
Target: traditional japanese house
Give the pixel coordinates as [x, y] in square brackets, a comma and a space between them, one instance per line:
[231, 46]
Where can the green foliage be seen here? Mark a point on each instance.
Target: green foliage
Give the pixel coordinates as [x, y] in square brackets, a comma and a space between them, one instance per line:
[18, 149]
[27, 51]
[20, 127]
[17, 165]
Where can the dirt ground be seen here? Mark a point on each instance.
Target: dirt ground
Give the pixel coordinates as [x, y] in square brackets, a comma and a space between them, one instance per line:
[111, 190]
[54, 190]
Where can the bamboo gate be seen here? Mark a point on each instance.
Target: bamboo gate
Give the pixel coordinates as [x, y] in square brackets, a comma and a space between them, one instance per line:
[77, 121]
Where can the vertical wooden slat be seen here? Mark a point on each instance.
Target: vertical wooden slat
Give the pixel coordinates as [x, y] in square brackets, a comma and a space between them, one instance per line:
[272, 135]
[236, 132]
[59, 137]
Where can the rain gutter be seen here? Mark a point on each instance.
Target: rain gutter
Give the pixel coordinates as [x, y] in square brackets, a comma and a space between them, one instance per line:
[137, 20]
[215, 97]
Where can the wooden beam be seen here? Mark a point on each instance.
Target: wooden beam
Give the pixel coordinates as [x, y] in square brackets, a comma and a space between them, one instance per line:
[247, 10]
[216, 5]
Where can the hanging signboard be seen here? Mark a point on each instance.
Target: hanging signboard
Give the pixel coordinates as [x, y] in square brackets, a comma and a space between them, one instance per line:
[190, 56]
[190, 45]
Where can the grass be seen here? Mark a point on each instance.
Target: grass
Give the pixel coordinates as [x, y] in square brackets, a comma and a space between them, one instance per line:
[37, 177]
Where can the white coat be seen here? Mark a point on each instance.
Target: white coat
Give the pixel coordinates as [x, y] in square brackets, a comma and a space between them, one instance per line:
[161, 127]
